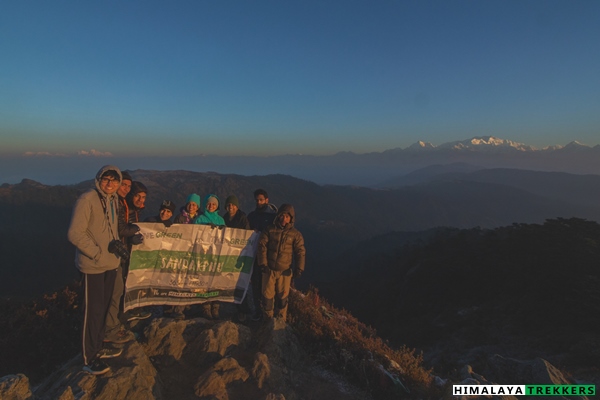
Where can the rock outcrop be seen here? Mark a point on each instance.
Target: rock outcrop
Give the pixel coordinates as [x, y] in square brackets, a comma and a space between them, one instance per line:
[194, 358]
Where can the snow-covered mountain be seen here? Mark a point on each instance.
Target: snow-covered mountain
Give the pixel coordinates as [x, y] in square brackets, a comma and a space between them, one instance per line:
[490, 144]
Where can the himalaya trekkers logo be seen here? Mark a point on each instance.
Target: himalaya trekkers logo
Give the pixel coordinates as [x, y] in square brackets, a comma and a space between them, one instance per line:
[523, 390]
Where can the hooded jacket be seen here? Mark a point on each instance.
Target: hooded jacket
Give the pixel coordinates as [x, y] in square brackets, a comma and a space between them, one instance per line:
[207, 218]
[94, 224]
[134, 212]
[278, 246]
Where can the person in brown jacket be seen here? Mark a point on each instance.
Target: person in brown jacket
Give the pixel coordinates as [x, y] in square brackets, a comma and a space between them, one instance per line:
[279, 245]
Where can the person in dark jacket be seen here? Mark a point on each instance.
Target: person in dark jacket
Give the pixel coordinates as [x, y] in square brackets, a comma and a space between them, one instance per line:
[259, 219]
[279, 246]
[234, 217]
[265, 212]
[115, 331]
[165, 213]
[136, 202]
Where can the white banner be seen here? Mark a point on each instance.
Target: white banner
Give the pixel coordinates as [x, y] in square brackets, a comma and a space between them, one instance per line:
[189, 264]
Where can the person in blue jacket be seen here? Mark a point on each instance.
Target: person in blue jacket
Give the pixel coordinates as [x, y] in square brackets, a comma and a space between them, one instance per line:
[210, 216]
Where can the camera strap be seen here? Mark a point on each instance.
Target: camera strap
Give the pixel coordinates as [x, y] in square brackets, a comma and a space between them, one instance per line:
[104, 206]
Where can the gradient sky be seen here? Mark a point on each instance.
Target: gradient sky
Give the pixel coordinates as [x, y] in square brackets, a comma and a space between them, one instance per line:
[312, 77]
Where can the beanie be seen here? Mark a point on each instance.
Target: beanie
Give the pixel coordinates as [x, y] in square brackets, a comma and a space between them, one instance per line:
[137, 187]
[232, 200]
[194, 198]
[168, 204]
[126, 176]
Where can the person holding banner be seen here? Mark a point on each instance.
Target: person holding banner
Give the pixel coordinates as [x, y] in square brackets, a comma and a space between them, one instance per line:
[279, 245]
[94, 231]
[236, 218]
[165, 213]
[115, 332]
[210, 216]
[189, 212]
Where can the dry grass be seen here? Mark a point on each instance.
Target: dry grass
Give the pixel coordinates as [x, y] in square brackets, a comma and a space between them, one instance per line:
[339, 341]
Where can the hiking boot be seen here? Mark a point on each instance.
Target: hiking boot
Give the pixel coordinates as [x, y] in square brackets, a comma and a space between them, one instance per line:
[109, 352]
[214, 310]
[138, 314]
[96, 367]
[120, 336]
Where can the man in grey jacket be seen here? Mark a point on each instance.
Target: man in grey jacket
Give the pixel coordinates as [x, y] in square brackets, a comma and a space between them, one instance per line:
[94, 233]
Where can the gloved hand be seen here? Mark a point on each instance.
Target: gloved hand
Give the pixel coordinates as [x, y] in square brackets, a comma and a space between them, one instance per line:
[212, 226]
[129, 230]
[297, 273]
[138, 238]
[167, 223]
[118, 248]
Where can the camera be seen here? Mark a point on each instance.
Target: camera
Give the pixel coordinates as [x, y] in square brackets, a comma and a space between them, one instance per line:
[119, 249]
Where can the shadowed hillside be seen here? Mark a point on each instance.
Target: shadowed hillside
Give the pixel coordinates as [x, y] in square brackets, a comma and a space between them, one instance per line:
[38, 258]
[524, 290]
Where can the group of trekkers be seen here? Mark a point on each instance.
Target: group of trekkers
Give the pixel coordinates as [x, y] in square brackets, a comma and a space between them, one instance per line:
[103, 230]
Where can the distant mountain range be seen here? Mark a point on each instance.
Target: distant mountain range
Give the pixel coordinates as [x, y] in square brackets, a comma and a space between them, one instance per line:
[495, 145]
[343, 168]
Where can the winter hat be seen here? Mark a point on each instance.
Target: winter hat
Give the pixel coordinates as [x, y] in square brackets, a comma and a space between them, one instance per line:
[232, 200]
[168, 205]
[193, 198]
[137, 187]
[126, 176]
[211, 198]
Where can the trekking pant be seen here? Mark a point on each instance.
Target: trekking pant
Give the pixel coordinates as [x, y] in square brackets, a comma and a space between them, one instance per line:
[113, 323]
[98, 291]
[275, 292]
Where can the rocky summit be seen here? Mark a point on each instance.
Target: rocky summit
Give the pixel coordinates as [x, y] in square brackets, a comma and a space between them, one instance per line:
[323, 353]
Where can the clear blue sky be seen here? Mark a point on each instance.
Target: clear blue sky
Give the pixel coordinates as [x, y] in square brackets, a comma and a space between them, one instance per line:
[312, 77]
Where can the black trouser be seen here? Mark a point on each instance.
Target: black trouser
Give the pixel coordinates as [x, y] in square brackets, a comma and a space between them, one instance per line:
[256, 282]
[98, 291]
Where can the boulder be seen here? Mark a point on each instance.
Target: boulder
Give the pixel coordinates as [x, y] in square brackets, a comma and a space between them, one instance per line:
[215, 380]
[15, 387]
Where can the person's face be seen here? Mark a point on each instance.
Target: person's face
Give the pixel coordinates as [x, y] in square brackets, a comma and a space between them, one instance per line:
[109, 185]
[124, 188]
[231, 209]
[211, 206]
[165, 214]
[284, 219]
[261, 201]
[139, 200]
[192, 207]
